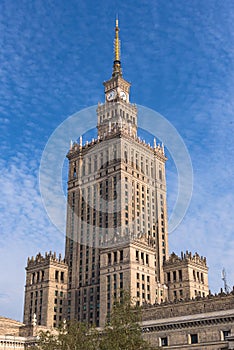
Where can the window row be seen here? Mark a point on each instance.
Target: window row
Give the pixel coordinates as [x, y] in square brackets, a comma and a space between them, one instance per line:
[114, 113]
[115, 257]
[37, 277]
[198, 276]
[175, 276]
[142, 257]
[59, 276]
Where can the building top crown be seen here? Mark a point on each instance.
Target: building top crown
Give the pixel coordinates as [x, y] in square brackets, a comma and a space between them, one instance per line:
[186, 257]
[49, 257]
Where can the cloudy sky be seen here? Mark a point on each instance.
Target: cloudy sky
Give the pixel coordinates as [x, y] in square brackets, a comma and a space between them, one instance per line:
[54, 57]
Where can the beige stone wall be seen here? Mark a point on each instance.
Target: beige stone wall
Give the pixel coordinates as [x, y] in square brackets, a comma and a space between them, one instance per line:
[9, 326]
[196, 306]
[209, 319]
[186, 276]
[45, 290]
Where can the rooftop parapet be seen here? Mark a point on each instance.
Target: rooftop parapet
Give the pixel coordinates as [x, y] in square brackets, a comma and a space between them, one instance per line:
[76, 147]
[49, 257]
[186, 257]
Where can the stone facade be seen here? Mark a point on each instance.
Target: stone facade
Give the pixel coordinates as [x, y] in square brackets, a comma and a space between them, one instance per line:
[186, 276]
[16, 335]
[201, 323]
[116, 192]
[45, 290]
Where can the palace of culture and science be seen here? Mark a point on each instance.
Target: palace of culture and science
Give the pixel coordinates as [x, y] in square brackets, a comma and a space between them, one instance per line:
[116, 231]
[116, 225]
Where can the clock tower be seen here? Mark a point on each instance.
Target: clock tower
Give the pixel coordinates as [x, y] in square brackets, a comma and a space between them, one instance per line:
[117, 110]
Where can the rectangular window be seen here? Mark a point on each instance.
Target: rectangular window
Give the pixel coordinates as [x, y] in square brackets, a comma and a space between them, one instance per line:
[180, 275]
[168, 277]
[121, 255]
[193, 338]
[137, 255]
[225, 334]
[56, 275]
[147, 259]
[164, 341]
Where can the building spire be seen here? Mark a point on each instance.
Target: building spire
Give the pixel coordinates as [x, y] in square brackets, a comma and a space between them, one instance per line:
[117, 64]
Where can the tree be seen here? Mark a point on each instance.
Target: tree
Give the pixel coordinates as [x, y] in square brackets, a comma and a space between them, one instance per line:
[72, 336]
[122, 330]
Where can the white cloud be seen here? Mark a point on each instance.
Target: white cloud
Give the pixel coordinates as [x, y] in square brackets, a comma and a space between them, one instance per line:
[24, 227]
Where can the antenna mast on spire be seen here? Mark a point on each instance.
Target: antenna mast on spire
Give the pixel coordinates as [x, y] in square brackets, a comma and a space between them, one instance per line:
[117, 64]
[224, 278]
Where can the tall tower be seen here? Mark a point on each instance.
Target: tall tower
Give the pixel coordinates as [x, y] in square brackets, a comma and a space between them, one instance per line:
[45, 290]
[117, 212]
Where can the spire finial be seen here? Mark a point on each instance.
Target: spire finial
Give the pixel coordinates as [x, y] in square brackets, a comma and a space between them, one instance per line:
[117, 43]
[117, 64]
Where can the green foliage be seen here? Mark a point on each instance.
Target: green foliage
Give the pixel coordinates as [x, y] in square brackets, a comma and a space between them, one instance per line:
[75, 336]
[123, 331]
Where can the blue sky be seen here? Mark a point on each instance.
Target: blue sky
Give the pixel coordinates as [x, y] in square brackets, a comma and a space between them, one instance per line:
[54, 58]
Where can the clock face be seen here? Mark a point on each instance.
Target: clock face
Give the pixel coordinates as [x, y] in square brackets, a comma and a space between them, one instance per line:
[122, 95]
[111, 95]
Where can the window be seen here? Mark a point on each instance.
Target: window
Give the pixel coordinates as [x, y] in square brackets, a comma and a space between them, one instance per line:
[168, 277]
[121, 255]
[194, 275]
[225, 334]
[109, 258]
[137, 255]
[147, 259]
[193, 338]
[56, 275]
[163, 341]
[202, 278]
[174, 275]
[180, 275]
